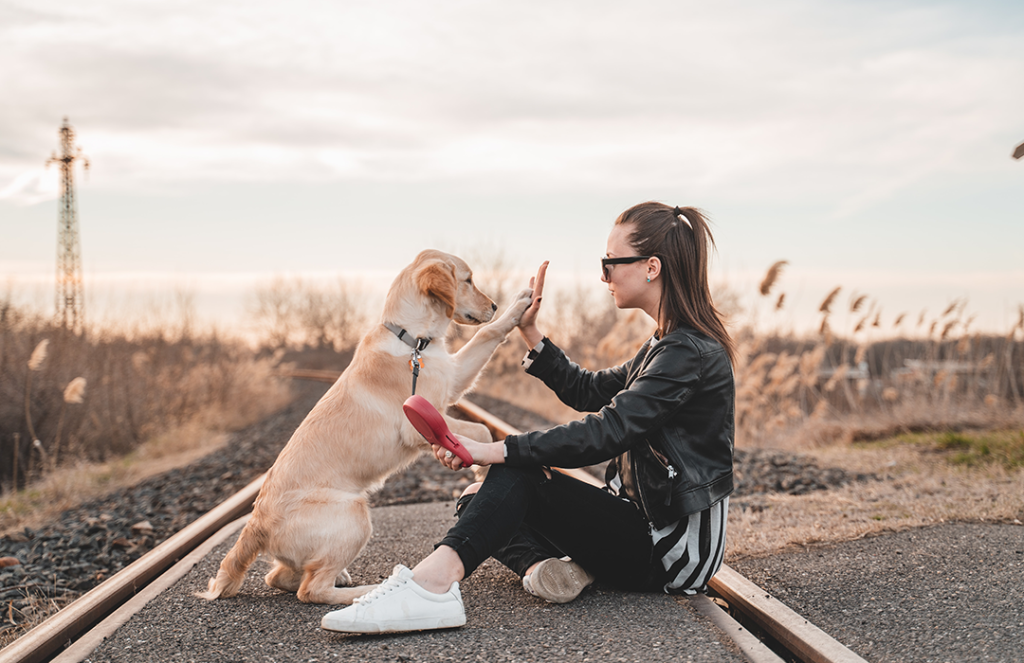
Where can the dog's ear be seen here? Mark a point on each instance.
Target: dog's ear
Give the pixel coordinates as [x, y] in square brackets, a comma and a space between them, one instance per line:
[437, 279]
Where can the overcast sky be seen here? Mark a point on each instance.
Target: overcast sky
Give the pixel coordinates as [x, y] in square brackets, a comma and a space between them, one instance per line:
[868, 143]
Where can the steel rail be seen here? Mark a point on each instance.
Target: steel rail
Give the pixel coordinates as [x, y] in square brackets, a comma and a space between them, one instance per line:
[797, 635]
[70, 622]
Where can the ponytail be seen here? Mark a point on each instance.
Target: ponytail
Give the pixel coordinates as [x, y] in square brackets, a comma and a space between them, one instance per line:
[681, 239]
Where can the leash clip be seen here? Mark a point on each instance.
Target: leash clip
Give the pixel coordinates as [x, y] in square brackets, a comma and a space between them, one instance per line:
[415, 364]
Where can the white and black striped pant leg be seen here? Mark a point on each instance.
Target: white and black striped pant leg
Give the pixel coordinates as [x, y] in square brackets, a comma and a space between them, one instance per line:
[691, 550]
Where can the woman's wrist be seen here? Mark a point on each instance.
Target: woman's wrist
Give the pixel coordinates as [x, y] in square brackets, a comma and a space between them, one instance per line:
[531, 335]
[489, 453]
[497, 457]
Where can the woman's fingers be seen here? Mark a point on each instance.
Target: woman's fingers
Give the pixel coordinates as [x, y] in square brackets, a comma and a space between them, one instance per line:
[529, 317]
[537, 282]
[446, 458]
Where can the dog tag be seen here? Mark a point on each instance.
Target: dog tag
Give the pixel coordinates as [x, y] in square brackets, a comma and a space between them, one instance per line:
[428, 421]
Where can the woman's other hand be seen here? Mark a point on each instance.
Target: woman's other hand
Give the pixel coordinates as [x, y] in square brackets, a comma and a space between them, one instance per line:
[528, 322]
[492, 453]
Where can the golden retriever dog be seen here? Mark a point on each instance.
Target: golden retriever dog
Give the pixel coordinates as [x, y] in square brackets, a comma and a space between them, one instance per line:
[312, 514]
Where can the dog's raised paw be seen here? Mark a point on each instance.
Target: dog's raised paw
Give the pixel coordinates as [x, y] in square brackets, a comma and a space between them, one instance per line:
[514, 313]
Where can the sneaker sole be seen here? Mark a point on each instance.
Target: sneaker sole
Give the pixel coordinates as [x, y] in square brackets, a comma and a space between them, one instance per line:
[556, 581]
[395, 627]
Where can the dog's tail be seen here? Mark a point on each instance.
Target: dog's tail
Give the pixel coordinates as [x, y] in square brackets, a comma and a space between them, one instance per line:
[238, 560]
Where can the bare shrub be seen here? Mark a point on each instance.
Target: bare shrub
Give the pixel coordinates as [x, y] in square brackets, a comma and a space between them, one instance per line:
[101, 394]
[293, 312]
[591, 331]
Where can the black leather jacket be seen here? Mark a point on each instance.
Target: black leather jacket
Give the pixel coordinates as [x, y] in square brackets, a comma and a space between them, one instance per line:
[667, 417]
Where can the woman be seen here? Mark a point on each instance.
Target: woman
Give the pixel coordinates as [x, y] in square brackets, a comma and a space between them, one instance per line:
[664, 418]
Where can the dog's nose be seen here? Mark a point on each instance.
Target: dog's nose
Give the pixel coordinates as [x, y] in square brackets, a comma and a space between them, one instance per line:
[494, 307]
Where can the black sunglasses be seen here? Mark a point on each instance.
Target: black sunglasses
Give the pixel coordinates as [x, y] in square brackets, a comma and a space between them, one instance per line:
[618, 261]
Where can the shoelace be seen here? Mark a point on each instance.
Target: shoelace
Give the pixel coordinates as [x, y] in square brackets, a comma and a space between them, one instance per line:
[380, 590]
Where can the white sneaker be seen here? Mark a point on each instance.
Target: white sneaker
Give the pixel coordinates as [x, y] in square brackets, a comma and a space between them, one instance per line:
[557, 580]
[399, 604]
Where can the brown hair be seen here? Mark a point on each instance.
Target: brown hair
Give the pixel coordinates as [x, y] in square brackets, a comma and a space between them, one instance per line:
[683, 248]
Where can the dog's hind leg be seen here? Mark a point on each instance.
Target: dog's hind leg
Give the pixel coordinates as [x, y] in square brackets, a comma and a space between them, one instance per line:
[232, 570]
[284, 577]
[318, 587]
[328, 564]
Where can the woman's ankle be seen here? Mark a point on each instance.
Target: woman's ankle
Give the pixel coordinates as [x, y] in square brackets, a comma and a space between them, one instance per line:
[438, 570]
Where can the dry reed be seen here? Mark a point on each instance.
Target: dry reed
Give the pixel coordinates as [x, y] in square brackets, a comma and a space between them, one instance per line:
[826, 304]
[800, 393]
[771, 277]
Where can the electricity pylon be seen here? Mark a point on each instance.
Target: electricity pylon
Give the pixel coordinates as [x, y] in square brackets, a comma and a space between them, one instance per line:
[70, 302]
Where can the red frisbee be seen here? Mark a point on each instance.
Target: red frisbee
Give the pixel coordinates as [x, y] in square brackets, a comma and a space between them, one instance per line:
[429, 422]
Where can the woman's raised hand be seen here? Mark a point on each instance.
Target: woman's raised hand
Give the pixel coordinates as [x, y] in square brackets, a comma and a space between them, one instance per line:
[528, 322]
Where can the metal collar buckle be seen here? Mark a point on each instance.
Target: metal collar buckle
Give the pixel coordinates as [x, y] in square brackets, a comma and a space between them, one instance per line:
[418, 346]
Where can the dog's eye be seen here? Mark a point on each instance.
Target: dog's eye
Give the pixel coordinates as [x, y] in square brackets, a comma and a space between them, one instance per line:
[469, 280]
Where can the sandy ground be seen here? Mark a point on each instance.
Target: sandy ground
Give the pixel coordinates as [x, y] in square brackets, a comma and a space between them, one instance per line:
[920, 488]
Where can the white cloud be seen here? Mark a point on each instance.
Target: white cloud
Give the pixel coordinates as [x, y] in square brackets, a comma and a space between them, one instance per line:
[851, 102]
[31, 187]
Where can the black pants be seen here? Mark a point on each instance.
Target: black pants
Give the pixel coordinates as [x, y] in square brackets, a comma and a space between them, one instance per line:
[520, 517]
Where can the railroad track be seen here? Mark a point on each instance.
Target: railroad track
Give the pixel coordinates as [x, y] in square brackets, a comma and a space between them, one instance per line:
[736, 605]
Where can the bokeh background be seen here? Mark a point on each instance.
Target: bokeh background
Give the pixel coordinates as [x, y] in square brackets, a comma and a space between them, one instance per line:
[260, 171]
[867, 143]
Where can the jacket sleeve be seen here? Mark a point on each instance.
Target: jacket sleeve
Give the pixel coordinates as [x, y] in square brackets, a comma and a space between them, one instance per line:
[672, 371]
[580, 389]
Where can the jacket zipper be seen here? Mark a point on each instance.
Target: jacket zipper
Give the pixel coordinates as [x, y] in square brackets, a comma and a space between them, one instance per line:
[640, 484]
[640, 490]
[668, 466]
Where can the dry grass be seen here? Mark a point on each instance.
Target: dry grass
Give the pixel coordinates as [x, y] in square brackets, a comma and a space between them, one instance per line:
[70, 402]
[35, 613]
[925, 488]
[43, 500]
[81, 415]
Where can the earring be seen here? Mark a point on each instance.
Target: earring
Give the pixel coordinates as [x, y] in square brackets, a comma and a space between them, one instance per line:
[648, 279]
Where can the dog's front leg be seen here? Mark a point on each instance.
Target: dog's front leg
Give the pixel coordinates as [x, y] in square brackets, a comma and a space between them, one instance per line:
[474, 355]
[470, 429]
